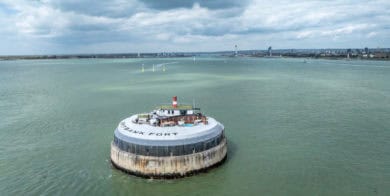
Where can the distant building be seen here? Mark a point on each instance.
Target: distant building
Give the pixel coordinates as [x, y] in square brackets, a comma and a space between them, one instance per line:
[235, 50]
[349, 52]
[270, 51]
[381, 55]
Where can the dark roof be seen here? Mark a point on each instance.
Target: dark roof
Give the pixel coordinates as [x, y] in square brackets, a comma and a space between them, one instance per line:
[179, 107]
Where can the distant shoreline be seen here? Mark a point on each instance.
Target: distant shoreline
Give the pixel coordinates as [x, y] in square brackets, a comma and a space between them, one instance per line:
[276, 57]
[382, 54]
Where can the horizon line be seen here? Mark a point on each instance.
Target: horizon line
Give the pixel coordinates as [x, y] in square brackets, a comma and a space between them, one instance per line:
[220, 51]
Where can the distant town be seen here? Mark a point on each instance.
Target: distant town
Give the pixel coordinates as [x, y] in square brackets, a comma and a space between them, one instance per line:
[353, 53]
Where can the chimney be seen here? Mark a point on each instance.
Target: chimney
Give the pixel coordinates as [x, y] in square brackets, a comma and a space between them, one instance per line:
[174, 101]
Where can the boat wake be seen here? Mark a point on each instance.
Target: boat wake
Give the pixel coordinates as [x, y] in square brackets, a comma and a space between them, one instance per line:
[162, 64]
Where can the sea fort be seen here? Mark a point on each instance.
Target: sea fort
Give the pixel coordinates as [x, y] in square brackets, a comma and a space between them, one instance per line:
[171, 141]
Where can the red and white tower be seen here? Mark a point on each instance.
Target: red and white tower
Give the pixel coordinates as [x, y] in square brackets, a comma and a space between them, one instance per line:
[174, 101]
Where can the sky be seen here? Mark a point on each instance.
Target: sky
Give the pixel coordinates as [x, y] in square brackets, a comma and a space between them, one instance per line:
[131, 26]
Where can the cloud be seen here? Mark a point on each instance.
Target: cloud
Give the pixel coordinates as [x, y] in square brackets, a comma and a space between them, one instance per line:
[112, 8]
[174, 4]
[63, 26]
[337, 32]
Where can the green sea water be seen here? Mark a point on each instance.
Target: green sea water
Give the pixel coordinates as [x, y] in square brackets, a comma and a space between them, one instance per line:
[294, 128]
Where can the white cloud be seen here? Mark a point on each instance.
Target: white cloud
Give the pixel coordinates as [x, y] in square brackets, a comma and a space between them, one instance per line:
[39, 21]
[341, 31]
[371, 34]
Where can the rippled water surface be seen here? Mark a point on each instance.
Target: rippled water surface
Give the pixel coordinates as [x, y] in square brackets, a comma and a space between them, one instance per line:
[294, 128]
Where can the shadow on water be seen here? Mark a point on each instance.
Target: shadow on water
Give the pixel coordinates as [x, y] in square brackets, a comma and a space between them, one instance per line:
[232, 149]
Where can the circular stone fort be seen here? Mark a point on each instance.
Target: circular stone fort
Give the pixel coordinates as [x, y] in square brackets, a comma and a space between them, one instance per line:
[171, 141]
